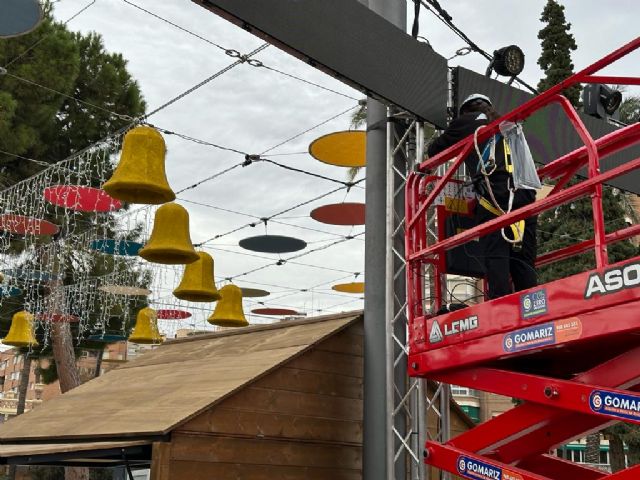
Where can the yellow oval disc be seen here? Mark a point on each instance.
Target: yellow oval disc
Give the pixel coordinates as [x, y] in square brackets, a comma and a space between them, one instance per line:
[353, 287]
[343, 149]
[124, 290]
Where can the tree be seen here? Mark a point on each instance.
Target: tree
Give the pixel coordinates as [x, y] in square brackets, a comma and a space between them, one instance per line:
[630, 110]
[37, 122]
[557, 44]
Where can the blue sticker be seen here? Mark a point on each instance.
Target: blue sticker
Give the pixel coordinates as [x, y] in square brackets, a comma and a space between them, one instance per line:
[534, 304]
[477, 470]
[531, 337]
[615, 404]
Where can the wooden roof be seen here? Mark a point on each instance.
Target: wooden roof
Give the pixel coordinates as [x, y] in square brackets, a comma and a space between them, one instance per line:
[164, 388]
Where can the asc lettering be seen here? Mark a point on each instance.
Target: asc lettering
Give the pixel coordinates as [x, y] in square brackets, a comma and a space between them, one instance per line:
[613, 280]
[459, 326]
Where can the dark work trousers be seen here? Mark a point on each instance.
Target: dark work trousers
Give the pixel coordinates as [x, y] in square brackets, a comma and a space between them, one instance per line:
[501, 261]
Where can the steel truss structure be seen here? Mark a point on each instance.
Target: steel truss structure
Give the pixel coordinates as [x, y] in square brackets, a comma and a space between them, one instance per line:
[570, 348]
[413, 404]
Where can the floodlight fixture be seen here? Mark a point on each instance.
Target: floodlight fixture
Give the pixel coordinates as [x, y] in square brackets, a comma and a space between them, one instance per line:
[600, 100]
[507, 61]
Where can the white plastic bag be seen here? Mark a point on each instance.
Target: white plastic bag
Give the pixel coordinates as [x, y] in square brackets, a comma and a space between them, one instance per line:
[524, 168]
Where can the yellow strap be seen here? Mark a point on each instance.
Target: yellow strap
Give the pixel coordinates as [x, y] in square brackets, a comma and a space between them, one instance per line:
[517, 228]
[508, 164]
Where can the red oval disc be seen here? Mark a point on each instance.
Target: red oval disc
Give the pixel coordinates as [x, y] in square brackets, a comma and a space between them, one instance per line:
[340, 214]
[22, 225]
[274, 311]
[172, 314]
[84, 199]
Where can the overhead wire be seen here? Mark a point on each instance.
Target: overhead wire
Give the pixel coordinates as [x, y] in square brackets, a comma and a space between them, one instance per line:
[441, 14]
[206, 40]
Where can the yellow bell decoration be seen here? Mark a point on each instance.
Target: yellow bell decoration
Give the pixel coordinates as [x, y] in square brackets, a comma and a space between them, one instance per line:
[21, 331]
[228, 312]
[197, 283]
[170, 242]
[140, 175]
[146, 329]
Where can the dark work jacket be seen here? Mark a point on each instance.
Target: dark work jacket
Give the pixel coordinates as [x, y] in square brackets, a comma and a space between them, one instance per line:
[464, 126]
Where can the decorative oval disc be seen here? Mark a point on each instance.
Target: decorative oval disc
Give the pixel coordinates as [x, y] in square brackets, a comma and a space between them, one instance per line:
[83, 199]
[125, 290]
[106, 338]
[353, 287]
[116, 247]
[30, 275]
[254, 292]
[273, 244]
[7, 291]
[340, 214]
[21, 225]
[343, 149]
[165, 314]
[275, 311]
[19, 17]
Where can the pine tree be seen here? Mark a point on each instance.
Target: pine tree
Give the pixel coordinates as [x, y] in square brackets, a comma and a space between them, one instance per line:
[557, 44]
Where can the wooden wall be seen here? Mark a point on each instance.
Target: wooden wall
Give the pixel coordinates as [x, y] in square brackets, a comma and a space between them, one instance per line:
[302, 421]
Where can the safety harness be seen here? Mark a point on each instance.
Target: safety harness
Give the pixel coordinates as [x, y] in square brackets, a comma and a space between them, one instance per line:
[486, 166]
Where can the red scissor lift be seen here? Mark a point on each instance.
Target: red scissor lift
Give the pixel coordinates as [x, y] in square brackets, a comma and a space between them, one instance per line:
[576, 360]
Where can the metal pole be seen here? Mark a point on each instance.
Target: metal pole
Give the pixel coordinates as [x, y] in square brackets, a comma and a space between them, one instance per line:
[377, 426]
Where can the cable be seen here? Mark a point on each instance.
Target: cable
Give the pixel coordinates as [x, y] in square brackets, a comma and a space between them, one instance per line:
[309, 129]
[176, 25]
[445, 18]
[189, 32]
[241, 59]
[83, 102]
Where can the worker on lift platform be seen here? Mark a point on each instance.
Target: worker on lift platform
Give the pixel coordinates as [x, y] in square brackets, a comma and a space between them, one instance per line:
[510, 252]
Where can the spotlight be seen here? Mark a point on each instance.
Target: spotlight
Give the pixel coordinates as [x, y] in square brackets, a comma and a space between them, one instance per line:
[507, 61]
[600, 100]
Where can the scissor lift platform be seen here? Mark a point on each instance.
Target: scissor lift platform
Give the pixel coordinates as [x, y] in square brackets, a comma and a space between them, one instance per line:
[570, 349]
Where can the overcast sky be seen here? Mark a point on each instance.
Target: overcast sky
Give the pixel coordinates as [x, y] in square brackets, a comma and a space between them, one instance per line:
[252, 109]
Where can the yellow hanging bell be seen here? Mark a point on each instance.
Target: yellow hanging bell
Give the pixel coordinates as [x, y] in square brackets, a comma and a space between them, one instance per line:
[140, 175]
[228, 312]
[197, 283]
[146, 329]
[170, 242]
[21, 331]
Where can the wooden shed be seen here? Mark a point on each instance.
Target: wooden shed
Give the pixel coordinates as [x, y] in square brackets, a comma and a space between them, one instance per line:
[271, 401]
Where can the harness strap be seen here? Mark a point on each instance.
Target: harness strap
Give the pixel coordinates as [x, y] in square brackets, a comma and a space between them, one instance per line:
[517, 228]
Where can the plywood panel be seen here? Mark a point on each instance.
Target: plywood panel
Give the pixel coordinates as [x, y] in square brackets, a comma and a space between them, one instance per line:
[254, 399]
[229, 421]
[343, 342]
[160, 461]
[264, 452]
[295, 379]
[188, 470]
[329, 362]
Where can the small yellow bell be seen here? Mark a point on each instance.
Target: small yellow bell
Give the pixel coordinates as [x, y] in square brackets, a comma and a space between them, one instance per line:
[146, 329]
[140, 175]
[228, 312]
[170, 242]
[21, 331]
[197, 283]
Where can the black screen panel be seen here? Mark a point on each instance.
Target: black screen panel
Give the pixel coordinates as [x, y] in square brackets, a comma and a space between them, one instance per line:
[549, 133]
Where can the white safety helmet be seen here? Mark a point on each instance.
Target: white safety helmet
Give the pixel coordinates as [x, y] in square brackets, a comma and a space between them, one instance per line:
[475, 96]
